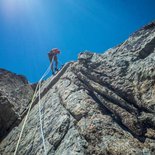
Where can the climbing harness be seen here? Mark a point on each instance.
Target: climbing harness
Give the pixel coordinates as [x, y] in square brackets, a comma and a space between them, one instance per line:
[33, 98]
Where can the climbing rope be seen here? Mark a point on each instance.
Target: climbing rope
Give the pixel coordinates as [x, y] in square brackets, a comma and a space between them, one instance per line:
[41, 124]
[33, 98]
[25, 121]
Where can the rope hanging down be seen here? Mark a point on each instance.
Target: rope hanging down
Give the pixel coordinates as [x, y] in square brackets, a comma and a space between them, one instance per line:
[41, 126]
[33, 98]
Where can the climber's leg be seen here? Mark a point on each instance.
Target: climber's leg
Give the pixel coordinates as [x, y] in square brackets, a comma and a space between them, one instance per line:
[56, 63]
[51, 63]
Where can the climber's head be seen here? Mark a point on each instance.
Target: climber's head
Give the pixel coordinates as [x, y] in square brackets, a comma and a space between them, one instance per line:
[56, 50]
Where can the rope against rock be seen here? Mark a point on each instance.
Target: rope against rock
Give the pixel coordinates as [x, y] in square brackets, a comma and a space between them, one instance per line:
[41, 126]
[34, 95]
[33, 98]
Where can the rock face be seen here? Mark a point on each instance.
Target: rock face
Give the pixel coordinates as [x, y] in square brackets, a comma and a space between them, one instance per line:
[103, 104]
[15, 95]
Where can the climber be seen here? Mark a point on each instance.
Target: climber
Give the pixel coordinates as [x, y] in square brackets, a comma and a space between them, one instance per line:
[53, 57]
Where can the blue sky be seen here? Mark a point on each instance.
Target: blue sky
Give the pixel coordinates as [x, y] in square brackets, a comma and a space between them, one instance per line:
[30, 28]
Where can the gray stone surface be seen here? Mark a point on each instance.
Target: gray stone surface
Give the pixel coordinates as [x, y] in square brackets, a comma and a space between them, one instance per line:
[15, 95]
[103, 104]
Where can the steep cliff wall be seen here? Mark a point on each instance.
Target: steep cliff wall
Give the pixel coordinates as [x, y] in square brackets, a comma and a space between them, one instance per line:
[15, 95]
[102, 104]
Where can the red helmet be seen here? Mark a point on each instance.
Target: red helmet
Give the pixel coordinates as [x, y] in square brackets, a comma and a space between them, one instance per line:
[56, 50]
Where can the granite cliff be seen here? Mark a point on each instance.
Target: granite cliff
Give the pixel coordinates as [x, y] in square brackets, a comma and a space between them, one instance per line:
[102, 104]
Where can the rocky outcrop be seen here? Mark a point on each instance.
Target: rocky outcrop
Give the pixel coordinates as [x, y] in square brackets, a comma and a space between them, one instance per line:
[103, 104]
[15, 95]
